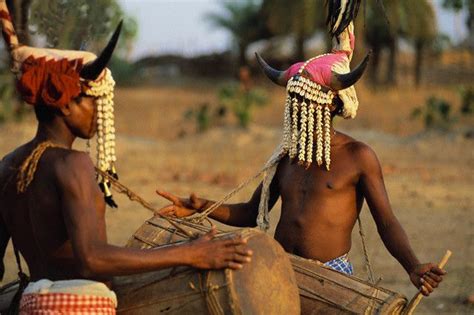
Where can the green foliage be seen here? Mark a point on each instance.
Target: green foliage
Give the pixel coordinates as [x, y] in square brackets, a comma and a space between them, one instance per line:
[242, 20]
[6, 98]
[467, 100]
[435, 114]
[72, 24]
[124, 72]
[240, 101]
[204, 116]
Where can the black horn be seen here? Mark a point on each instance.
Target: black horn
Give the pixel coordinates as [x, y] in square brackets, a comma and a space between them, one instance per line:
[277, 76]
[94, 68]
[343, 81]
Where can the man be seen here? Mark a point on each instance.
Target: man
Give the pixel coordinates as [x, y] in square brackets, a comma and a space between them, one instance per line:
[50, 204]
[321, 201]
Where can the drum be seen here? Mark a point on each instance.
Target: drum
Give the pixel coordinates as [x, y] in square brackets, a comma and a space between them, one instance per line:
[326, 291]
[322, 289]
[265, 286]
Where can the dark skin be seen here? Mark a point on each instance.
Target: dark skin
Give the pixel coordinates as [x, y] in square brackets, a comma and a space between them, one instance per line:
[320, 209]
[58, 224]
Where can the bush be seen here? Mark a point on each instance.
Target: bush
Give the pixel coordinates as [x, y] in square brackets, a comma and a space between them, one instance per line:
[467, 100]
[435, 113]
[240, 101]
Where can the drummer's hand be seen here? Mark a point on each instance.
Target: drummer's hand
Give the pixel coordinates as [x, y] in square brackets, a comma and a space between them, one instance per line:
[426, 277]
[210, 253]
[180, 207]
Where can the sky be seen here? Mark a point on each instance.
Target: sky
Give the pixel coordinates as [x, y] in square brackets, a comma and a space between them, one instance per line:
[181, 27]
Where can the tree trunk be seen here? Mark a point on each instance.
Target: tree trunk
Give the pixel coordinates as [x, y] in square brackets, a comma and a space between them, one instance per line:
[299, 47]
[374, 66]
[391, 76]
[418, 61]
[19, 11]
[242, 57]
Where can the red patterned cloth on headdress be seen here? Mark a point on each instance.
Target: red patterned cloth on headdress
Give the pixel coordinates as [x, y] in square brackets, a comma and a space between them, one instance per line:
[64, 303]
[51, 82]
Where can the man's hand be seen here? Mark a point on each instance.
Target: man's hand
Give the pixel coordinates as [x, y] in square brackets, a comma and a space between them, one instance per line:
[426, 277]
[181, 207]
[209, 253]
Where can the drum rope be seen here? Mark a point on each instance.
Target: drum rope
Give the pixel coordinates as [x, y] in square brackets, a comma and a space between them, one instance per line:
[203, 215]
[135, 197]
[368, 265]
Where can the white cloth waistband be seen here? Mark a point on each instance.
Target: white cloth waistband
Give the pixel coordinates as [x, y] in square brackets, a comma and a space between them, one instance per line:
[75, 286]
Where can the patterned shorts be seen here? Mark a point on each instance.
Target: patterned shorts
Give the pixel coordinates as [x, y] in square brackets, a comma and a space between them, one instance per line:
[65, 303]
[341, 264]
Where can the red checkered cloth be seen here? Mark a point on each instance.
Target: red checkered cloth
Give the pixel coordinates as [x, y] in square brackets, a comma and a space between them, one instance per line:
[64, 303]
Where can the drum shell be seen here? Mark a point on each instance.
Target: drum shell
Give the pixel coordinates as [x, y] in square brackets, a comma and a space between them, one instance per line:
[265, 286]
[326, 291]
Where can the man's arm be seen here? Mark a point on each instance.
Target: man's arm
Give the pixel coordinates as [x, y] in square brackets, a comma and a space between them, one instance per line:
[239, 214]
[372, 186]
[79, 197]
[4, 238]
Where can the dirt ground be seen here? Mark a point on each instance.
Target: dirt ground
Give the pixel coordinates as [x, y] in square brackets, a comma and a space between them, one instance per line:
[429, 175]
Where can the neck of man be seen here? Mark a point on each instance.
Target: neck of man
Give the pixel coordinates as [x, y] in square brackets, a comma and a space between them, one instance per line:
[56, 132]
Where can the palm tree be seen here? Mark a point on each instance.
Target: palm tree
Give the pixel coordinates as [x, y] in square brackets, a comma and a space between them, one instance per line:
[69, 24]
[243, 21]
[418, 25]
[412, 20]
[297, 17]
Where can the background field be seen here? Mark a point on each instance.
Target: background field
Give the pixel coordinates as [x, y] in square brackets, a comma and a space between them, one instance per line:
[429, 175]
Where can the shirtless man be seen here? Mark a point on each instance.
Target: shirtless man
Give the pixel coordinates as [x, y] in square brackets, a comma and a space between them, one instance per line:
[321, 201]
[50, 204]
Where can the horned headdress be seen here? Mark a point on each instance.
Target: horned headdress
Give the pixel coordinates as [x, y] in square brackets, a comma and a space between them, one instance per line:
[53, 77]
[312, 87]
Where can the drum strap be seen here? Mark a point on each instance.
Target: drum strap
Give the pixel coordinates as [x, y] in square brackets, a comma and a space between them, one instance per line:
[368, 265]
[14, 307]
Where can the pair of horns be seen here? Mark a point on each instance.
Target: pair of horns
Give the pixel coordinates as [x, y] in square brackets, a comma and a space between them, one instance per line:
[93, 69]
[338, 81]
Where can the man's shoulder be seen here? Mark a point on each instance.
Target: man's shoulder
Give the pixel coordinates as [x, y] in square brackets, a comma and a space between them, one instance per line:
[360, 152]
[68, 163]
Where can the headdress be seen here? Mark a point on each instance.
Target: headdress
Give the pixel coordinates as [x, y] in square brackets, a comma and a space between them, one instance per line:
[313, 85]
[53, 78]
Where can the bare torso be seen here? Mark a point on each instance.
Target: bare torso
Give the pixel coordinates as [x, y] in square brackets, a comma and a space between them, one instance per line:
[320, 207]
[36, 221]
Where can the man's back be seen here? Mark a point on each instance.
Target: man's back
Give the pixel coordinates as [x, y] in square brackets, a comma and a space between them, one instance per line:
[35, 218]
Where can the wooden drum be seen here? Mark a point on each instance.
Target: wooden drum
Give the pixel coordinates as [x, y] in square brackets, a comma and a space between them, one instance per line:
[265, 286]
[326, 291]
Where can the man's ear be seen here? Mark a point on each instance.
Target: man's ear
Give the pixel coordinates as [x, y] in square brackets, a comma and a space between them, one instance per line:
[66, 110]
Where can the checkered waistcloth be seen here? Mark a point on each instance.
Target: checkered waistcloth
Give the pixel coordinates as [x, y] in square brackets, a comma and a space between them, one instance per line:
[341, 264]
[65, 303]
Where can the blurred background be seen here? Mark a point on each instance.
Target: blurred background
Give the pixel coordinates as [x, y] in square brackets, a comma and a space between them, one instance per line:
[194, 113]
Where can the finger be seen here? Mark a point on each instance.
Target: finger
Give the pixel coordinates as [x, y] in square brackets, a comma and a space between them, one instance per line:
[433, 276]
[243, 251]
[166, 209]
[211, 234]
[431, 282]
[426, 285]
[438, 271]
[174, 199]
[424, 291]
[233, 265]
[194, 200]
[239, 258]
[235, 241]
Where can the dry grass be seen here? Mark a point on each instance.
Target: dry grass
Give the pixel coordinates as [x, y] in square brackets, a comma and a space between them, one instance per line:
[429, 176]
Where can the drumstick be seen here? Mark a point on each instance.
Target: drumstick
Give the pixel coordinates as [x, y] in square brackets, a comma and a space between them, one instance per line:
[417, 298]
